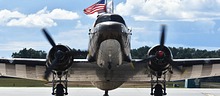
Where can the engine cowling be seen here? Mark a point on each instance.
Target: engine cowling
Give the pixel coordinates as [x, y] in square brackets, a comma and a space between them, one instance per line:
[64, 62]
[163, 57]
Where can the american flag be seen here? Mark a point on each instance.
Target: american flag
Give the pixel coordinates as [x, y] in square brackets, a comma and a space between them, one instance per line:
[100, 6]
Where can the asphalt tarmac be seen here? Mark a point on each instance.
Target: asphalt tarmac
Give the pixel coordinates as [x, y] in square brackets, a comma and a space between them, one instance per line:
[46, 91]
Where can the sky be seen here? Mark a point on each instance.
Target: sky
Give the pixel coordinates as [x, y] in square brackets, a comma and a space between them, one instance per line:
[190, 23]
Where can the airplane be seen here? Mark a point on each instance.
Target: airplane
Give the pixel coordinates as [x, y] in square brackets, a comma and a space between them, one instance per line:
[109, 63]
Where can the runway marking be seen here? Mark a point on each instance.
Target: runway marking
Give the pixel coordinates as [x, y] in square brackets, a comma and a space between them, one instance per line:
[208, 94]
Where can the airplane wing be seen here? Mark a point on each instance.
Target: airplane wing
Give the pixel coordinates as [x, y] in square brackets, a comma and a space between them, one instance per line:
[190, 68]
[82, 70]
[22, 68]
[195, 68]
[35, 68]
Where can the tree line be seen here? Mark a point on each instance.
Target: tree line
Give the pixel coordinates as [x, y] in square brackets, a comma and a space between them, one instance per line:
[29, 53]
[178, 53]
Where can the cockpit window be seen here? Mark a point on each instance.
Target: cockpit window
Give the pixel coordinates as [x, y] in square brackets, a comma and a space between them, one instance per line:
[115, 18]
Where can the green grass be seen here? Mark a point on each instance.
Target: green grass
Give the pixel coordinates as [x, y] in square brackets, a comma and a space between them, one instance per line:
[16, 82]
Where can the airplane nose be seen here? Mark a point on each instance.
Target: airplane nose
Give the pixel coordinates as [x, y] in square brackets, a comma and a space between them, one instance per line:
[110, 30]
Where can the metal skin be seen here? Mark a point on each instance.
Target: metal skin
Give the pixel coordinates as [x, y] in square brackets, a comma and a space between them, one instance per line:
[109, 47]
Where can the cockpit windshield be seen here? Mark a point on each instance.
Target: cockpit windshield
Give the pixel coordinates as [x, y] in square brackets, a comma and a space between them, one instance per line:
[112, 17]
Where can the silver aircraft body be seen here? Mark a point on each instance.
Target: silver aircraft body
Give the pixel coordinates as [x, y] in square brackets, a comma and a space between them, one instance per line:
[109, 63]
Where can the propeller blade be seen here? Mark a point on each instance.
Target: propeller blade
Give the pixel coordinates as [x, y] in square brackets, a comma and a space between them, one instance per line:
[49, 38]
[177, 68]
[162, 39]
[59, 54]
[50, 68]
[147, 59]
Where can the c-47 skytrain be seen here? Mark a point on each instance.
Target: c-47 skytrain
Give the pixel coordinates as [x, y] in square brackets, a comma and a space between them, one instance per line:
[109, 63]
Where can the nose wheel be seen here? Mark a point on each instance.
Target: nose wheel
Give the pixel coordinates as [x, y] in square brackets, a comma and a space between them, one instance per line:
[59, 85]
[158, 87]
[60, 90]
[158, 90]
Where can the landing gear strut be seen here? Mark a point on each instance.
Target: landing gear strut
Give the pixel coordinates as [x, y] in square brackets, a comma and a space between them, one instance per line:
[59, 85]
[106, 93]
[158, 87]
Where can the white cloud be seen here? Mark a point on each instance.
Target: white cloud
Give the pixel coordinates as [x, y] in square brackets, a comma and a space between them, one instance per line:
[186, 10]
[93, 16]
[6, 15]
[32, 20]
[42, 18]
[138, 29]
[63, 14]
[141, 18]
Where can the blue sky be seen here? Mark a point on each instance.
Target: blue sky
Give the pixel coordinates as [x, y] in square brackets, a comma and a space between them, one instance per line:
[190, 23]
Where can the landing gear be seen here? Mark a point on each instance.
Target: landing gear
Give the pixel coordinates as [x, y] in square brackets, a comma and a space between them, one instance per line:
[158, 90]
[158, 87]
[59, 90]
[106, 93]
[59, 85]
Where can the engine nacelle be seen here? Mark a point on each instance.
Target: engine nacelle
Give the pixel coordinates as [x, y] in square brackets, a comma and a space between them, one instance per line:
[163, 57]
[64, 62]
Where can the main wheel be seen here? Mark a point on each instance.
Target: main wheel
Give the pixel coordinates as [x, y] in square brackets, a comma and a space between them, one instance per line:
[59, 90]
[158, 90]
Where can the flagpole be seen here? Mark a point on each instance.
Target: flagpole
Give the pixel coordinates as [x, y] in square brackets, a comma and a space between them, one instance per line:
[112, 6]
[106, 2]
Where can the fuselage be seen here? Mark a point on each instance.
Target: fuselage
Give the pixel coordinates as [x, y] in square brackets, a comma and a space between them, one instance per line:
[109, 41]
[109, 48]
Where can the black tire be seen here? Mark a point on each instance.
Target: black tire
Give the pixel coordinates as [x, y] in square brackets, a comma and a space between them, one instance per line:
[158, 90]
[59, 90]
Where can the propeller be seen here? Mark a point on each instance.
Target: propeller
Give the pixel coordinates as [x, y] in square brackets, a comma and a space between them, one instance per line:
[162, 41]
[59, 54]
[162, 38]
[161, 53]
[176, 67]
[50, 68]
[46, 34]
[148, 58]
